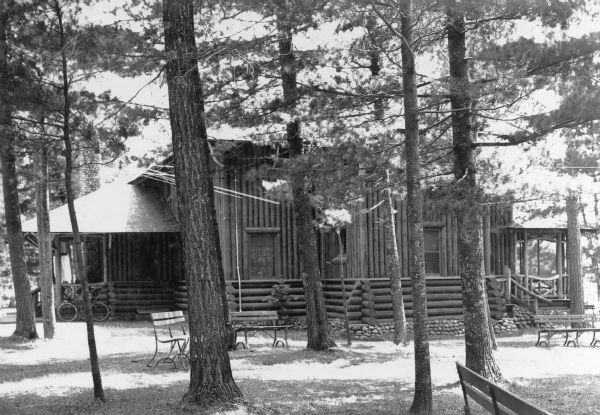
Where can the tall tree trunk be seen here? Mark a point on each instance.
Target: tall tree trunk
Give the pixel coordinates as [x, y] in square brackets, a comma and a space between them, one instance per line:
[25, 313]
[211, 380]
[77, 245]
[422, 401]
[390, 239]
[478, 344]
[576, 303]
[316, 315]
[393, 267]
[343, 281]
[317, 327]
[40, 162]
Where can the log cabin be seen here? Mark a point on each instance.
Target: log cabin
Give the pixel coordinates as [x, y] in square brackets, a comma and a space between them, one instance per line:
[132, 248]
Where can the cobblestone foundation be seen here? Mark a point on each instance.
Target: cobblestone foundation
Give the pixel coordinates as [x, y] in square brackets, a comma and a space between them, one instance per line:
[520, 318]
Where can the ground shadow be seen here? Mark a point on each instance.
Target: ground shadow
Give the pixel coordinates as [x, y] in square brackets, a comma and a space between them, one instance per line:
[267, 356]
[122, 363]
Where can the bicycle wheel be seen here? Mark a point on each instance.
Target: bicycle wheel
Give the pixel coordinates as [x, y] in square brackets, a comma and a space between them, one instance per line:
[67, 312]
[99, 311]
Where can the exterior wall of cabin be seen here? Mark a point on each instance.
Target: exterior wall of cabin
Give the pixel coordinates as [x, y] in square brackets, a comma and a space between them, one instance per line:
[258, 238]
[143, 257]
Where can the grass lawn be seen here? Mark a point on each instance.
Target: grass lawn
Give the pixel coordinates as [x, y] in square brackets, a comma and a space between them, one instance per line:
[52, 377]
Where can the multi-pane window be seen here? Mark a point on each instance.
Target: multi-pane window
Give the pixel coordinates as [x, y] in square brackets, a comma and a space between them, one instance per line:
[431, 249]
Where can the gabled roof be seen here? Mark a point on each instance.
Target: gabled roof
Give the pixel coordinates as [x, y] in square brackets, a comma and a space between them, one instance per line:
[114, 208]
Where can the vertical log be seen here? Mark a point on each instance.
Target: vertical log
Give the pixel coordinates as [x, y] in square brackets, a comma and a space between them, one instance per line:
[57, 273]
[526, 264]
[514, 251]
[559, 264]
[507, 284]
[487, 241]
[577, 304]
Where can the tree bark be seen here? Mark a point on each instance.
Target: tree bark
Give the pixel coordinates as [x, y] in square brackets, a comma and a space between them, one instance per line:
[422, 400]
[316, 315]
[478, 345]
[40, 162]
[211, 379]
[343, 281]
[25, 326]
[390, 239]
[393, 268]
[77, 245]
[576, 303]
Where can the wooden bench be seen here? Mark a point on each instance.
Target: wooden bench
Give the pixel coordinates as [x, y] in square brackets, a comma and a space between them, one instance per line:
[169, 327]
[495, 399]
[267, 322]
[566, 320]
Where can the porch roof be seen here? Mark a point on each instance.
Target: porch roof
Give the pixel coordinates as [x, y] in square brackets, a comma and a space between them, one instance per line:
[114, 208]
[547, 224]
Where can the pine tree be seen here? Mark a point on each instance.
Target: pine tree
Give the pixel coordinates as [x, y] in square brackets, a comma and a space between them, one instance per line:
[25, 324]
[211, 380]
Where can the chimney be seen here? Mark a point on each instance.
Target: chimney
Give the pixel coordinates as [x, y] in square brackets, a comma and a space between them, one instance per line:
[86, 174]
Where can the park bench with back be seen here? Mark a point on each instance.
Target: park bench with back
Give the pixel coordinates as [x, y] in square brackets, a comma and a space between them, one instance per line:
[492, 397]
[169, 328]
[573, 326]
[255, 321]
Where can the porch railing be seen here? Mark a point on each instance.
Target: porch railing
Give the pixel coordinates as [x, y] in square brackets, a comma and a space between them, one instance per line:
[532, 290]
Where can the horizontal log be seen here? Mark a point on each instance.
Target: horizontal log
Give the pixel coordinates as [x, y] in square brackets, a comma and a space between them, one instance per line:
[339, 301]
[265, 291]
[335, 294]
[142, 283]
[408, 298]
[433, 312]
[367, 312]
[340, 309]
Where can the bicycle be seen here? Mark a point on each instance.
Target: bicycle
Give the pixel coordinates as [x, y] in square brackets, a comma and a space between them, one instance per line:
[72, 306]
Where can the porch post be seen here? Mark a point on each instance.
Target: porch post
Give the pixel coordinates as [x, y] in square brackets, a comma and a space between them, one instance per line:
[514, 256]
[487, 241]
[525, 263]
[104, 259]
[559, 264]
[57, 273]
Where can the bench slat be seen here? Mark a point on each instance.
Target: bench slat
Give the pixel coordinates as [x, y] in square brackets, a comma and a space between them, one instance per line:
[168, 314]
[485, 393]
[474, 379]
[481, 398]
[167, 321]
[516, 403]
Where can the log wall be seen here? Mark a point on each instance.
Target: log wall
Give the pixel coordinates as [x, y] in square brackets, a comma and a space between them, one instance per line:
[241, 219]
[143, 257]
[369, 300]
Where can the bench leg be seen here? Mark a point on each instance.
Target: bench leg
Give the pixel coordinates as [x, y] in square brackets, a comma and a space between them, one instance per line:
[541, 342]
[155, 352]
[182, 354]
[594, 341]
[168, 358]
[277, 342]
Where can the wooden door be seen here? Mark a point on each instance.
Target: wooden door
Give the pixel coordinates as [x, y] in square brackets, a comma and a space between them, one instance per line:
[261, 255]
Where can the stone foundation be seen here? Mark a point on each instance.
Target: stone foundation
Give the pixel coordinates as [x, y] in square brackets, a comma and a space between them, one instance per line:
[521, 319]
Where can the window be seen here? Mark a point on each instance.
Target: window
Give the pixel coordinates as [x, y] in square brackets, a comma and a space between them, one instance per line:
[431, 250]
